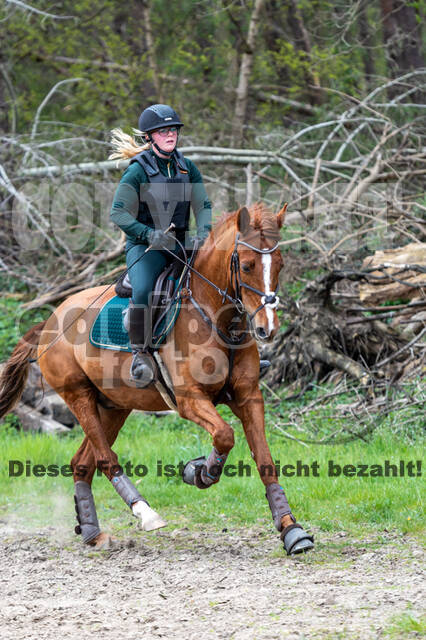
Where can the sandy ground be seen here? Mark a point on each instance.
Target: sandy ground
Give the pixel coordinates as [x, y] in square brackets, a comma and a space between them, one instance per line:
[193, 585]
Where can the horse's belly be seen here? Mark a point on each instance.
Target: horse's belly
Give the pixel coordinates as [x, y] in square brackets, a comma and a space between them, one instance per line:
[109, 371]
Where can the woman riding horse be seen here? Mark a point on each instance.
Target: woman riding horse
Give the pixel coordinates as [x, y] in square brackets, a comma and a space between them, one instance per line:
[240, 263]
[229, 296]
[156, 190]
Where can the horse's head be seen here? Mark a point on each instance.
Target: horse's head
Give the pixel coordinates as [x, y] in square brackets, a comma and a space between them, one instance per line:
[260, 262]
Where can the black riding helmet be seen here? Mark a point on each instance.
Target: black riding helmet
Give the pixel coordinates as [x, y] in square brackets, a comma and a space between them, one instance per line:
[157, 116]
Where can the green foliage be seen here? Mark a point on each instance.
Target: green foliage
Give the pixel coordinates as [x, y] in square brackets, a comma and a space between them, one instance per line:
[197, 50]
[15, 322]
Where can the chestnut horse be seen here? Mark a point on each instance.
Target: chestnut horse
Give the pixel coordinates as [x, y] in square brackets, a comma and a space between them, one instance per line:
[241, 261]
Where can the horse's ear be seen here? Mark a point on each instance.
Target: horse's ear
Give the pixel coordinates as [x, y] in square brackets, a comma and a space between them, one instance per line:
[243, 220]
[281, 216]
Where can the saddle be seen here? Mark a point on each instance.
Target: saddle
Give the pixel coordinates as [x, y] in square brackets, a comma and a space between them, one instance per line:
[162, 296]
[165, 303]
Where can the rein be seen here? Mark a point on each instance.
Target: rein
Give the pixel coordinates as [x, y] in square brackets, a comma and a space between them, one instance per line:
[270, 300]
[235, 338]
[267, 299]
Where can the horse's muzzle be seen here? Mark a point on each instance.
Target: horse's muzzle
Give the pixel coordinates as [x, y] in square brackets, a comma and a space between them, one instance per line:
[264, 335]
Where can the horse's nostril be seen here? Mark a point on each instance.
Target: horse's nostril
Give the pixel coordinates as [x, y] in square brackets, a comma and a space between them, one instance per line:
[261, 333]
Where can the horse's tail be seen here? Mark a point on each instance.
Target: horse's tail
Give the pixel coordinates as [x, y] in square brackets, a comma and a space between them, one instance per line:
[15, 371]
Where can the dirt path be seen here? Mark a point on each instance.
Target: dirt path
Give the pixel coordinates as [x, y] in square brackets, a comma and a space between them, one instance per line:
[185, 585]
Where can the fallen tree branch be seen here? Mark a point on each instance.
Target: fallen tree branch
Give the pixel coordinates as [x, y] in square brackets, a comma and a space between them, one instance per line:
[381, 316]
[287, 102]
[410, 344]
[332, 358]
[83, 280]
[33, 420]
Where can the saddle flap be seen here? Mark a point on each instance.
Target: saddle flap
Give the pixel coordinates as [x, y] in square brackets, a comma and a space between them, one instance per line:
[164, 287]
[123, 288]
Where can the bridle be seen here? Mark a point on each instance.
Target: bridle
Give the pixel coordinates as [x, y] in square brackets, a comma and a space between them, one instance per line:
[267, 299]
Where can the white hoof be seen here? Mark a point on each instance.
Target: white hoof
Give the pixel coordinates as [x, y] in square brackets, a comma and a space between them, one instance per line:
[149, 518]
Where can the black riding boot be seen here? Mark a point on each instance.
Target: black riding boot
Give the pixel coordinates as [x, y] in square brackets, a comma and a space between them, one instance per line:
[142, 369]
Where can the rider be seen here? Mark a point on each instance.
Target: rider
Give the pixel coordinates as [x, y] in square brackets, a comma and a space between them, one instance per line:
[158, 176]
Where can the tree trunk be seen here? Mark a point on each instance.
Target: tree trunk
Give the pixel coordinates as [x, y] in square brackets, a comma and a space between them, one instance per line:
[401, 36]
[145, 7]
[366, 41]
[244, 75]
[397, 279]
[303, 43]
[4, 120]
[273, 35]
[7, 98]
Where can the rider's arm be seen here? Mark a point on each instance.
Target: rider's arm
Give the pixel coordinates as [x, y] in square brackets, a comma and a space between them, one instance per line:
[200, 203]
[125, 206]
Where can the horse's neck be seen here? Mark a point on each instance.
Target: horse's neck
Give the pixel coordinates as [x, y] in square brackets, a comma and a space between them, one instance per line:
[213, 263]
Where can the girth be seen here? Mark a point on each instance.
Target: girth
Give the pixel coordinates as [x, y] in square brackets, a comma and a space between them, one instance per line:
[233, 340]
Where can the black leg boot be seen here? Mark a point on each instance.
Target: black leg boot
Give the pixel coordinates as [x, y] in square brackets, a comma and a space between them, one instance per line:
[142, 369]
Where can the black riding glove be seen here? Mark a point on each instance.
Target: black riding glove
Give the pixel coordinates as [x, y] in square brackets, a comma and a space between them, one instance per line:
[160, 240]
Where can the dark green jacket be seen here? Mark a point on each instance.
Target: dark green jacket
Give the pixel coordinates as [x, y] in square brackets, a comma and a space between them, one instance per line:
[126, 204]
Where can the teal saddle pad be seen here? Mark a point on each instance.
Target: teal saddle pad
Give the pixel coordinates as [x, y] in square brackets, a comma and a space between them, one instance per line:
[108, 331]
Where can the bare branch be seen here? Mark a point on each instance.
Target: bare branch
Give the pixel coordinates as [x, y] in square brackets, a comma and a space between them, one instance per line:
[27, 7]
[46, 100]
[11, 90]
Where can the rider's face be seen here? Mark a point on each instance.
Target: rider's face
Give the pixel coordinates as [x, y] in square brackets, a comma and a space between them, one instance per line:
[165, 138]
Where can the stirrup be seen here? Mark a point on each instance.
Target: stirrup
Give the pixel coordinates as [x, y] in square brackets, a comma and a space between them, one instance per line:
[263, 365]
[142, 369]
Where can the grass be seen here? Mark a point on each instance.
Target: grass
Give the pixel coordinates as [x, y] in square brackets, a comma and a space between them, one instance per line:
[406, 626]
[355, 504]
[358, 505]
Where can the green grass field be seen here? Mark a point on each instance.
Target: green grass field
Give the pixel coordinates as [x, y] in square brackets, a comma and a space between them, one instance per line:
[355, 504]
[351, 503]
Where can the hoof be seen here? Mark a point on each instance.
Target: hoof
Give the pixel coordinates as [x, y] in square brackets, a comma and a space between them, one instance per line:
[150, 520]
[191, 473]
[296, 540]
[103, 541]
[263, 365]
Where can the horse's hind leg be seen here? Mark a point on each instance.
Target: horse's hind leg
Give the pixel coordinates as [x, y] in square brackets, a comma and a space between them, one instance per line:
[84, 466]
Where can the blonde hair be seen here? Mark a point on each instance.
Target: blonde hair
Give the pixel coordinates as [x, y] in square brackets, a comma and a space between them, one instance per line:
[125, 146]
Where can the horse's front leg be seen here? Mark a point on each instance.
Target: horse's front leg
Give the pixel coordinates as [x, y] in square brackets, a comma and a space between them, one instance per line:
[203, 472]
[249, 408]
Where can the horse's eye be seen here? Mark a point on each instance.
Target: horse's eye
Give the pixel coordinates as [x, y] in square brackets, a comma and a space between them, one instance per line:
[245, 268]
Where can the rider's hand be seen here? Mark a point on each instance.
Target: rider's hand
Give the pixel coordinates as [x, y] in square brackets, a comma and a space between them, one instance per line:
[160, 240]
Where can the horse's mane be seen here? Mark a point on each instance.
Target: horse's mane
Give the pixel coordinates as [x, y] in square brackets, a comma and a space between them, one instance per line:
[261, 220]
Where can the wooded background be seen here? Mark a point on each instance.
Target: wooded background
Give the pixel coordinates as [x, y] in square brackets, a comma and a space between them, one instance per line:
[317, 103]
[233, 70]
